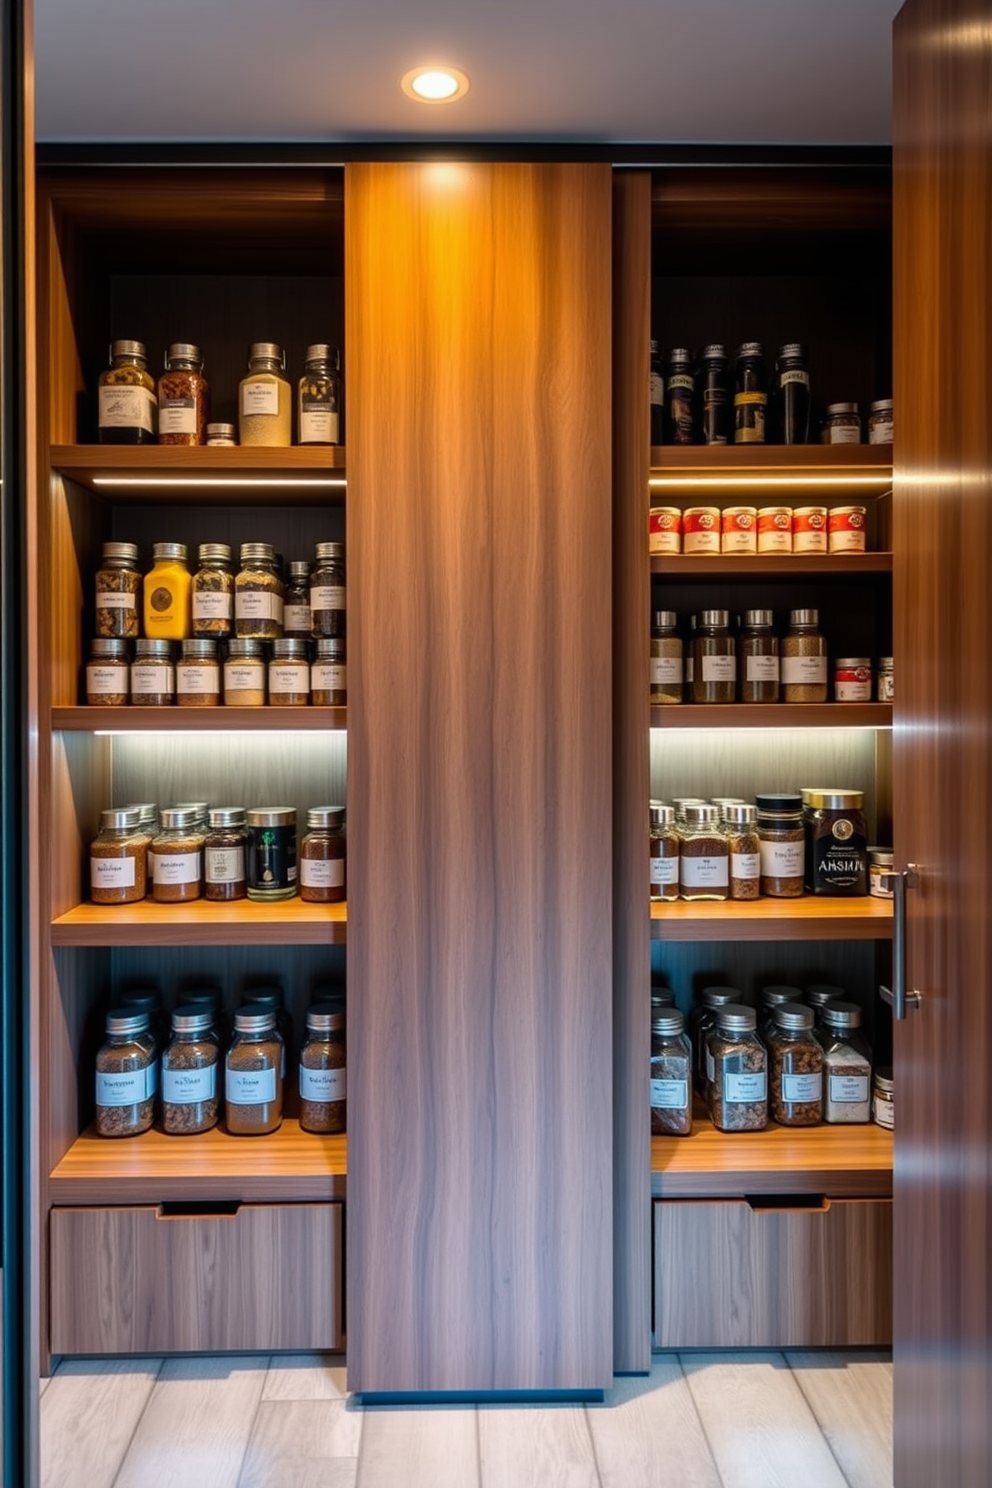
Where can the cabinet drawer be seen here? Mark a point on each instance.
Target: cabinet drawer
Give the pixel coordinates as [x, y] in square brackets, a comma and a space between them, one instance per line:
[145, 1280]
[733, 1274]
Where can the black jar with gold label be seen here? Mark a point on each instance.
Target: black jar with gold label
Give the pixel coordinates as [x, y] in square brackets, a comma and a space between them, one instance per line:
[836, 842]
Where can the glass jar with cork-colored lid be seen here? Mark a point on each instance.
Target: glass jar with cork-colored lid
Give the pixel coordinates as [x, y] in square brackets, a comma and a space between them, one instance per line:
[323, 853]
[265, 398]
[118, 584]
[127, 409]
[323, 1073]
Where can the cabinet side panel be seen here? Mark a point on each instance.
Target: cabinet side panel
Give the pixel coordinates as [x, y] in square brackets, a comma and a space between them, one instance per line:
[479, 790]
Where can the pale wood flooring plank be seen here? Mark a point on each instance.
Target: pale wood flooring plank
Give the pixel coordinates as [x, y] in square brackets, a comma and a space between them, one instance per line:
[89, 1412]
[196, 1425]
[306, 1377]
[851, 1397]
[299, 1443]
[647, 1433]
[423, 1447]
[549, 1445]
[761, 1431]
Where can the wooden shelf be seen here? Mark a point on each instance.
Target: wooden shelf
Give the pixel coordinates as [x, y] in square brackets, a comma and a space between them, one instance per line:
[829, 1160]
[841, 471]
[291, 1165]
[244, 923]
[241, 476]
[772, 715]
[808, 918]
[768, 567]
[197, 720]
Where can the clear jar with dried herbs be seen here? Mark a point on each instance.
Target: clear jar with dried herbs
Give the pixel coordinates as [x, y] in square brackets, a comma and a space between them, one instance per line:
[183, 397]
[323, 853]
[738, 1087]
[666, 660]
[153, 675]
[177, 857]
[795, 1068]
[118, 855]
[804, 659]
[224, 847]
[328, 592]
[118, 584]
[127, 410]
[296, 605]
[741, 827]
[265, 398]
[758, 650]
[289, 675]
[319, 396]
[714, 652]
[258, 594]
[212, 592]
[126, 1076]
[190, 1087]
[323, 1071]
[782, 844]
[671, 1085]
[704, 857]
[846, 1064]
[664, 847]
[329, 674]
[108, 674]
[198, 675]
[253, 1078]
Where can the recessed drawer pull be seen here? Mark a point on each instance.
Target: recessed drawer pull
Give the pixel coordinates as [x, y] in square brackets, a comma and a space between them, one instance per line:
[787, 1203]
[218, 1209]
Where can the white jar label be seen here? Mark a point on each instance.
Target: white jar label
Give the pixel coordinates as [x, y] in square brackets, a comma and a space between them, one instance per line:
[258, 604]
[740, 542]
[657, 388]
[244, 676]
[297, 617]
[322, 873]
[146, 677]
[326, 676]
[879, 432]
[211, 604]
[127, 1089]
[666, 669]
[719, 669]
[884, 1112]
[102, 681]
[852, 692]
[782, 859]
[848, 1090]
[795, 375]
[112, 873]
[804, 669]
[126, 406]
[259, 397]
[197, 677]
[761, 668]
[669, 1095]
[289, 676]
[177, 416]
[802, 1088]
[745, 865]
[323, 1084]
[705, 872]
[319, 423]
[665, 870]
[844, 434]
[187, 1087]
[116, 601]
[224, 865]
[175, 868]
[250, 1087]
[327, 597]
[741, 1088]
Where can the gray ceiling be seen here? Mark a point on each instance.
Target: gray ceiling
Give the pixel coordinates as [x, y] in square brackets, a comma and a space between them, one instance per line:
[742, 71]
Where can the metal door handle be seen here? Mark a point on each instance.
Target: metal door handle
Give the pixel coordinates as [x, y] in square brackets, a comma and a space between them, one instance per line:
[897, 996]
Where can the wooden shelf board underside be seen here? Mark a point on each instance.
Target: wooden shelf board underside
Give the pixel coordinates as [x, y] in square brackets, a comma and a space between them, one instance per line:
[780, 462]
[198, 720]
[807, 918]
[250, 476]
[246, 922]
[772, 715]
[707, 567]
[829, 1160]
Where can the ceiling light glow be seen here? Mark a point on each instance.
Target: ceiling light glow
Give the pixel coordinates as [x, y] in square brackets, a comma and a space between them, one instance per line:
[434, 84]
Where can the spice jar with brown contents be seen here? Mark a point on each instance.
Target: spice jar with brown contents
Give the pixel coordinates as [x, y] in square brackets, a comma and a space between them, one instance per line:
[224, 874]
[117, 859]
[795, 1063]
[258, 594]
[126, 1076]
[322, 856]
[328, 593]
[244, 674]
[190, 1101]
[253, 1082]
[265, 398]
[704, 859]
[118, 584]
[127, 410]
[666, 660]
[738, 1089]
[745, 851]
[108, 674]
[671, 1087]
[289, 675]
[296, 602]
[198, 675]
[758, 658]
[177, 857]
[664, 848]
[212, 592]
[714, 663]
[323, 1071]
[153, 675]
[782, 844]
[319, 397]
[183, 396]
[804, 659]
[329, 675]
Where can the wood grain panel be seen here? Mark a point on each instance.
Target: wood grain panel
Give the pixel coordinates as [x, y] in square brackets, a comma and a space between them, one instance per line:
[844, 1161]
[731, 1276]
[770, 715]
[202, 923]
[851, 1398]
[89, 1419]
[942, 518]
[806, 918]
[200, 720]
[134, 1281]
[631, 600]
[479, 790]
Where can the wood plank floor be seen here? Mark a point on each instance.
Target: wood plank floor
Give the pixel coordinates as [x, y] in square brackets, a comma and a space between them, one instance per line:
[699, 1420]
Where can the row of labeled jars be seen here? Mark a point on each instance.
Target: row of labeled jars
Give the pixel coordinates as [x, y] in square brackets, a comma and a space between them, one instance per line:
[218, 853]
[199, 1074]
[207, 673]
[169, 603]
[742, 530]
[133, 409]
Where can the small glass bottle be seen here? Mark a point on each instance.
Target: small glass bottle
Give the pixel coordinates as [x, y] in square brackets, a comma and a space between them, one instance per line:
[253, 1081]
[738, 1088]
[704, 859]
[758, 658]
[177, 857]
[212, 592]
[221, 436]
[118, 859]
[244, 674]
[118, 584]
[153, 675]
[198, 675]
[265, 398]
[841, 424]
[190, 1096]
[666, 660]
[289, 675]
[258, 594]
[782, 844]
[795, 1067]
[224, 874]
[714, 672]
[713, 396]
[108, 674]
[127, 410]
[664, 840]
[702, 1018]
[167, 594]
[745, 850]
[773, 997]
[323, 1072]
[328, 594]
[296, 606]
[322, 856]
[680, 388]
[126, 1076]
[329, 675]
[147, 999]
[751, 394]
[883, 1099]
[886, 680]
[671, 1085]
[791, 402]
[656, 385]
[880, 421]
[846, 1064]
[804, 659]
[183, 396]
[206, 1000]
[319, 396]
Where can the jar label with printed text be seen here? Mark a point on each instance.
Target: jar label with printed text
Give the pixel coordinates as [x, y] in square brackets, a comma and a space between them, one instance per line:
[804, 669]
[200, 678]
[250, 1087]
[665, 870]
[848, 1090]
[129, 1088]
[288, 677]
[327, 597]
[112, 873]
[669, 1095]
[260, 397]
[740, 1088]
[782, 859]
[244, 676]
[258, 604]
[297, 618]
[319, 422]
[177, 416]
[106, 681]
[705, 872]
[322, 873]
[718, 669]
[175, 868]
[806, 1089]
[328, 677]
[666, 669]
[211, 604]
[761, 668]
[147, 678]
[187, 1087]
[745, 865]
[323, 1085]
[126, 406]
[116, 601]
[224, 865]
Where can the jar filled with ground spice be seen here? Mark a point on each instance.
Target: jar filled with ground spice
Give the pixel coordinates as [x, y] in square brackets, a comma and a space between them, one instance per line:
[704, 858]
[126, 1076]
[322, 856]
[664, 850]
[271, 860]
[198, 675]
[289, 675]
[758, 658]
[772, 998]
[671, 1086]
[795, 1068]
[841, 424]
[224, 847]
[253, 1082]
[329, 675]
[118, 584]
[274, 1000]
[751, 395]
[258, 594]
[108, 674]
[702, 1019]
[244, 674]
[327, 591]
[836, 842]
[883, 1099]
[167, 594]
[190, 1096]
[118, 859]
[265, 398]
[183, 396]
[177, 857]
[740, 824]
[127, 409]
[212, 592]
[714, 652]
[666, 659]
[319, 396]
[846, 1064]
[738, 1085]
[153, 675]
[323, 1071]
[804, 659]
[296, 604]
[782, 844]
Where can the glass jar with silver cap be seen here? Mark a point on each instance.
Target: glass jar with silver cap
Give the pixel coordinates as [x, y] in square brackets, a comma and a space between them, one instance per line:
[265, 398]
[319, 396]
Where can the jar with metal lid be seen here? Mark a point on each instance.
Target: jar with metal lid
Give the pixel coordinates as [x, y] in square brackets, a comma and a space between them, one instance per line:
[183, 396]
[319, 396]
[177, 857]
[883, 1099]
[153, 675]
[713, 395]
[886, 680]
[147, 999]
[723, 802]
[841, 424]
[244, 674]
[289, 675]
[147, 831]
[751, 395]
[682, 803]
[323, 1072]
[664, 850]
[322, 856]
[795, 1068]
[117, 859]
[738, 1085]
[661, 997]
[190, 1096]
[258, 594]
[118, 584]
[271, 852]
[758, 658]
[329, 674]
[791, 402]
[198, 675]
[680, 390]
[818, 994]
[852, 679]
[846, 1064]
[671, 1086]
[126, 408]
[666, 660]
[804, 659]
[704, 858]
[296, 603]
[881, 864]
[781, 844]
[880, 421]
[836, 842]
[167, 594]
[274, 999]
[206, 1000]
[126, 1076]
[221, 436]
[656, 394]
[328, 594]
[108, 674]
[745, 851]
[774, 996]
[701, 1019]
[224, 871]
[212, 592]
[253, 1081]
[265, 398]
[199, 810]
[714, 673]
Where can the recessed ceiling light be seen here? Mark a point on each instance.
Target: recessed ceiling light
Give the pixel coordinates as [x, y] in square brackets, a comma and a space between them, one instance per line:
[434, 84]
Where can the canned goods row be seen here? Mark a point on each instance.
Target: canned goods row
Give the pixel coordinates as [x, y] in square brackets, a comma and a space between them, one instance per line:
[766, 529]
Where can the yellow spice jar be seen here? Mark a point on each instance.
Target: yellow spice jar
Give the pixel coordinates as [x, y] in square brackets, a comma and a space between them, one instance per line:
[167, 594]
[265, 399]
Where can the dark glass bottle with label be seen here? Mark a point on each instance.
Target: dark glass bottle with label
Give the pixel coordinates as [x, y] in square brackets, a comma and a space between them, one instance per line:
[751, 394]
[713, 396]
[680, 390]
[791, 399]
[657, 395]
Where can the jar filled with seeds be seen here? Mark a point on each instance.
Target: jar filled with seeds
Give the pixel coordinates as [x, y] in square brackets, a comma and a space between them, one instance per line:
[212, 592]
[880, 421]
[714, 652]
[740, 824]
[258, 594]
[265, 398]
[804, 659]
[296, 605]
[108, 674]
[666, 659]
[244, 674]
[664, 851]
[846, 1064]
[224, 847]
[781, 844]
[327, 591]
[704, 857]
[190, 1097]
[118, 858]
[671, 1086]
[738, 1086]
[271, 861]
[118, 584]
[841, 424]
[126, 1076]
[883, 1099]
[253, 1081]
[127, 408]
[177, 857]
[329, 675]
[319, 396]
[322, 856]
[323, 1071]
[758, 658]
[795, 1067]
[772, 998]
[198, 675]
[702, 1019]
[183, 396]
[289, 675]
[153, 675]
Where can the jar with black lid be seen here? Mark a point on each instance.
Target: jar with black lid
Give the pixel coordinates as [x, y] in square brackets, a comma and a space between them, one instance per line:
[680, 390]
[795, 1068]
[190, 1095]
[758, 658]
[751, 394]
[319, 396]
[713, 395]
[271, 852]
[118, 584]
[224, 871]
[737, 1062]
[664, 850]
[198, 675]
[836, 842]
[704, 857]
[153, 675]
[108, 674]
[329, 674]
[701, 1019]
[782, 844]
[322, 856]
[671, 1086]
[212, 592]
[656, 386]
[126, 1076]
[258, 594]
[714, 652]
[296, 607]
[791, 402]
[289, 675]
[323, 1072]
[253, 1074]
[127, 407]
[183, 396]
[327, 591]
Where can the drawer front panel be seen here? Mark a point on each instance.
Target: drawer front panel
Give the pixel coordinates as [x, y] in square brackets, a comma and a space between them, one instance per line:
[134, 1280]
[727, 1275]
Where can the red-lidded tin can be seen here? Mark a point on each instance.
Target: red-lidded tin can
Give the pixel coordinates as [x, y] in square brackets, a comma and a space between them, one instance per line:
[775, 529]
[809, 529]
[739, 529]
[847, 529]
[852, 679]
[665, 530]
[701, 529]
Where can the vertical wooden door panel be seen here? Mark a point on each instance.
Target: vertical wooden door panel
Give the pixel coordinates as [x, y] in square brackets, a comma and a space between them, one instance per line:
[479, 791]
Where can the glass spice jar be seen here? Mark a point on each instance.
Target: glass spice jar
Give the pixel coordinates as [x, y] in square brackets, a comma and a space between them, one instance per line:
[738, 1085]
[271, 852]
[147, 830]
[666, 660]
[224, 872]
[751, 394]
[704, 858]
[126, 407]
[323, 1073]
[319, 396]
[153, 675]
[714, 673]
[886, 690]
[329, 675]
[702, 1019]
[183, 396]
[795, 1068]
[206, 1000]
[782, 844]
[883, 1099]
[167, 594]
[880, 421]
[126, 1076]
[198, 675]
[836, 842]
[265, 398]
[118, 858]
[289, 675]
[274, 999]
[713, 395]
[846, 1065]
[258, 594]
[328, 593]
[664, 850]
[772, 998]
[108, 674]
[671, 1086]
[296, 605]
[758, 658]
[253, 1081]
[656, 394]
[322, 856]
[818, 994]
[147, 999]
[212, 592]
[680, 391]
[118, 584]
[190, 1100]
[745, 851]
[244, 674]
[841, 424]
[221, 436]
[177, 857]
[804, 659]
[791, 402]
[881, 864]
